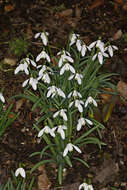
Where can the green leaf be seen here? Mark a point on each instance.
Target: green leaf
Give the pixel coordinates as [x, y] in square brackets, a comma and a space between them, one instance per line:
[68, 161]
[60, 174]
[40, 163]
[80, 160]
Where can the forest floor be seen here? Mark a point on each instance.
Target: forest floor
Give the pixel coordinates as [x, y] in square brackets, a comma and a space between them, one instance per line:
[23, 19]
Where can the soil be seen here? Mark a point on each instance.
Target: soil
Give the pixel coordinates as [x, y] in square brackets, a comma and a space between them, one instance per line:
[23, 19]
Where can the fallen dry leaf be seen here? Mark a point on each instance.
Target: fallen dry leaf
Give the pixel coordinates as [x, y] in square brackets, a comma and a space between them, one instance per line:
[106, 97]
[19, 104]
[119, 1]
[43, 181]
[107, 172]
[29, 33]
[78, 11]
[96, 3]
[9, 8]
[65, 13]
[73, 186]
[9, 61]
[117, 35]
[125, 6]
[122, 89]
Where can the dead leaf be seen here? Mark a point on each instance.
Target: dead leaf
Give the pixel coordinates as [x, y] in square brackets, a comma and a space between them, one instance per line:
[117, 35]
[106, 97]
[19, 104]
[9, 61]
[106, 172]
[43, 181]
[73, 186]
[78, 11]
[125, 6]
[65, 13]
[96, 4]
[122, 89]
[119, 1]
[29, 33]
[9, 8]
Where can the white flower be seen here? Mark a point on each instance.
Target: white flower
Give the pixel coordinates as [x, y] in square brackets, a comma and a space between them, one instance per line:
[73, 38]
[47, 130]
[110, 49]
[82, 121]
[43, 36]
[67, 67]
[44, 55]
[29, 61]
[78, 104]
[64, 58]
[64, 52]
[100, 56]
[69, 148]
[77, 77]
[46, 78]
[43, 69]
[99, 44]
[84, 49]
[75, 94]
[78, 45]
[85, 186]
[2, 98]
[20, 171]
[90, 100]
[53, 90]
[60, 93]
[22, 67]
[61, 113]
[60, 130]
[32, 81]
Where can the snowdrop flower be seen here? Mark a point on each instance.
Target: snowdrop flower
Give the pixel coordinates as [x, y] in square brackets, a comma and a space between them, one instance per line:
[60, 93]
[22, 67]
[32, 81]
[2, 98]
[70, 148]
[47, 130]
[53, 90]
[85, 186]
[77, 77]
[67, 67]
[44, 55]
[61, 113]
[64, 52]
[43, 69]
[60, 130]
[110, 49]
[45, 77]
[84, 49]
[20, 171]
[29, 61]
[64, 58]
[99, 44]
[43, 36]
[73, 38]
[75, 94]
[100, 56]
[78, 104]
[82, 121]
[78, 45]
[90, 100]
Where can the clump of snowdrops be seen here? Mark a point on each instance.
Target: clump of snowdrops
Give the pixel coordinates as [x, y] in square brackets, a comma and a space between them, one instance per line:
[5, 119]
[66, 87]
